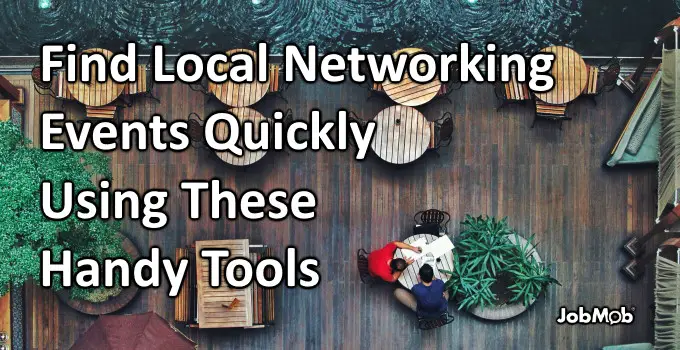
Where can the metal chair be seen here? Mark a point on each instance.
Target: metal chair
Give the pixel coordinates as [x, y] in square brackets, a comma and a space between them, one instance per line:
[427, 324]
[41, 87]
[433, 217]
[362, 264]
[143, 86]
[610, 73]
[453, 84]
[353, 117]
[442, 133]
[196, 130]
[286, 120]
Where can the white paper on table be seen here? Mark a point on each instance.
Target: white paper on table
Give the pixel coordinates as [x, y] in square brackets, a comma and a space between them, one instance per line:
[439, 247]
[409, 254]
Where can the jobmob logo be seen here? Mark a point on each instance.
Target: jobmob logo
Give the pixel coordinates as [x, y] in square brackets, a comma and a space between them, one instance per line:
[597, 315]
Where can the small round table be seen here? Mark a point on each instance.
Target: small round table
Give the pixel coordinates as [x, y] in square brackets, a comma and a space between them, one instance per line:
[408, 92]
[243, 114]
[238, 94]
[94, 93]
[409, 277]
[570, 73]
[402, 134]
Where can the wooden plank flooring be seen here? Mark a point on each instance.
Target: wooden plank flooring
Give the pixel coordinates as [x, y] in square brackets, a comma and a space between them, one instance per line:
[548, 181]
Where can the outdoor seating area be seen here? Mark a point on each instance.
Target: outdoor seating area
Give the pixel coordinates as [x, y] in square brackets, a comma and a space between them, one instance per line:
[200, 306]
[489, 159]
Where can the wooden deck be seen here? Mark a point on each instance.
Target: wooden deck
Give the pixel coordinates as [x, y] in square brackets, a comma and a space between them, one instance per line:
[547, 181]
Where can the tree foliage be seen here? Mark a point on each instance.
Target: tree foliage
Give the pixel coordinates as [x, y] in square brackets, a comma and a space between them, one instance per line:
[25, 231]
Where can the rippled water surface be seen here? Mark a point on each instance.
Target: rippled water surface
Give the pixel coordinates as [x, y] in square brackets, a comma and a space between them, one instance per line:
[595, 27]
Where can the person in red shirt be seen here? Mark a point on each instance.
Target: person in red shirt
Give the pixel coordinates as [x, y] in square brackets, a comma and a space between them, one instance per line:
[381, 263]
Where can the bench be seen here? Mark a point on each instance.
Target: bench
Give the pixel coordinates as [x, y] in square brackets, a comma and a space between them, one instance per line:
[262, 306]
[591, 82]
[103, 112]
[556, 112]
[512, 91]
[185, 302]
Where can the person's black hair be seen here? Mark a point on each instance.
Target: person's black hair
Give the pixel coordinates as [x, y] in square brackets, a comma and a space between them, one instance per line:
[398, 265]
[426, 273]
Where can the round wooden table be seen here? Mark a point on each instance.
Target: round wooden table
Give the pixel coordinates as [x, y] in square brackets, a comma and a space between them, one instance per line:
[409, 277]
[408, 92]
[570, 73]
[402, 134]
[95, 93]
[222, 132]
[238, 94]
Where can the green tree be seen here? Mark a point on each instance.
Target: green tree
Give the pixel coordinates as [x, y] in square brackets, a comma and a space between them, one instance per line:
[25, 231]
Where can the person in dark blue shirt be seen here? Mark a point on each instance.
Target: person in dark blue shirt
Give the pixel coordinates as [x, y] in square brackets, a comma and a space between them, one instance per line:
[428, 299]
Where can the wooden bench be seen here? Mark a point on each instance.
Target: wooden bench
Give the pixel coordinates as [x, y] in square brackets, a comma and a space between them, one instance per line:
[516, 91]
[591, 82]
[550, 112]
[103, 112]
[274, 75]
[185, 302]
[260, 308]
[512, 91]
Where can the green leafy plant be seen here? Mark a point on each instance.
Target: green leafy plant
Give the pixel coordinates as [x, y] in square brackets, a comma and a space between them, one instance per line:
[25, 231]
[488, 263]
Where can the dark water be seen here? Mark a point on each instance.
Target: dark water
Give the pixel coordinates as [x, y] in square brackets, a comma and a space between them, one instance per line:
[593, 27]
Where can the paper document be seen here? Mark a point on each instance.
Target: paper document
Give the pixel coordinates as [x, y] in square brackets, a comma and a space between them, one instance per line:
[409, 254]
[439, 247]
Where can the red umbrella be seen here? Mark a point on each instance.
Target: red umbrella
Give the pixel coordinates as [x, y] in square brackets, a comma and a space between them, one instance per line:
[129, 332]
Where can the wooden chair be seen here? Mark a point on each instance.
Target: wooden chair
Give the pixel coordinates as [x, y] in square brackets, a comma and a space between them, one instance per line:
[427, 324]
[362, 264]
[550, 112]
[143, 85]
[277, 85]
[431, 219]
[512, 91]
[102, 112]
[441, 133]
[609, 73]
[185, 302]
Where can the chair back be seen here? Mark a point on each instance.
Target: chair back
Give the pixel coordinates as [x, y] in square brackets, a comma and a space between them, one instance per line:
[362, 264]
[433, 216]
[195, 129]
[446, 131]
[610, 74]
[427, 324]
[36, 73]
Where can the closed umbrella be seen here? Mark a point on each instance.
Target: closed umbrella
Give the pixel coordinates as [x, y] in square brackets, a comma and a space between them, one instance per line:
[132, 332]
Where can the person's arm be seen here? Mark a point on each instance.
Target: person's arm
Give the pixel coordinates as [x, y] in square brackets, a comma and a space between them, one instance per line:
[403, 245]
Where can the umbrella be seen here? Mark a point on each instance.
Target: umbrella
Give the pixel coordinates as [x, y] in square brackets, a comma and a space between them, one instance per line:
[129, 332]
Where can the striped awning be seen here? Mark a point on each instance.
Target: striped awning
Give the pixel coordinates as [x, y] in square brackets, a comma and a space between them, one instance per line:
[667, 302]
[669, 139]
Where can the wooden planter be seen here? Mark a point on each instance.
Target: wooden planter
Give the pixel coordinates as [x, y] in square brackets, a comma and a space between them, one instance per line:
[112, 304]
[506, 311]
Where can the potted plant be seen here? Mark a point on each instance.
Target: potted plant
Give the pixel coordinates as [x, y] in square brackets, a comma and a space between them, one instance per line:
[495, 268]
